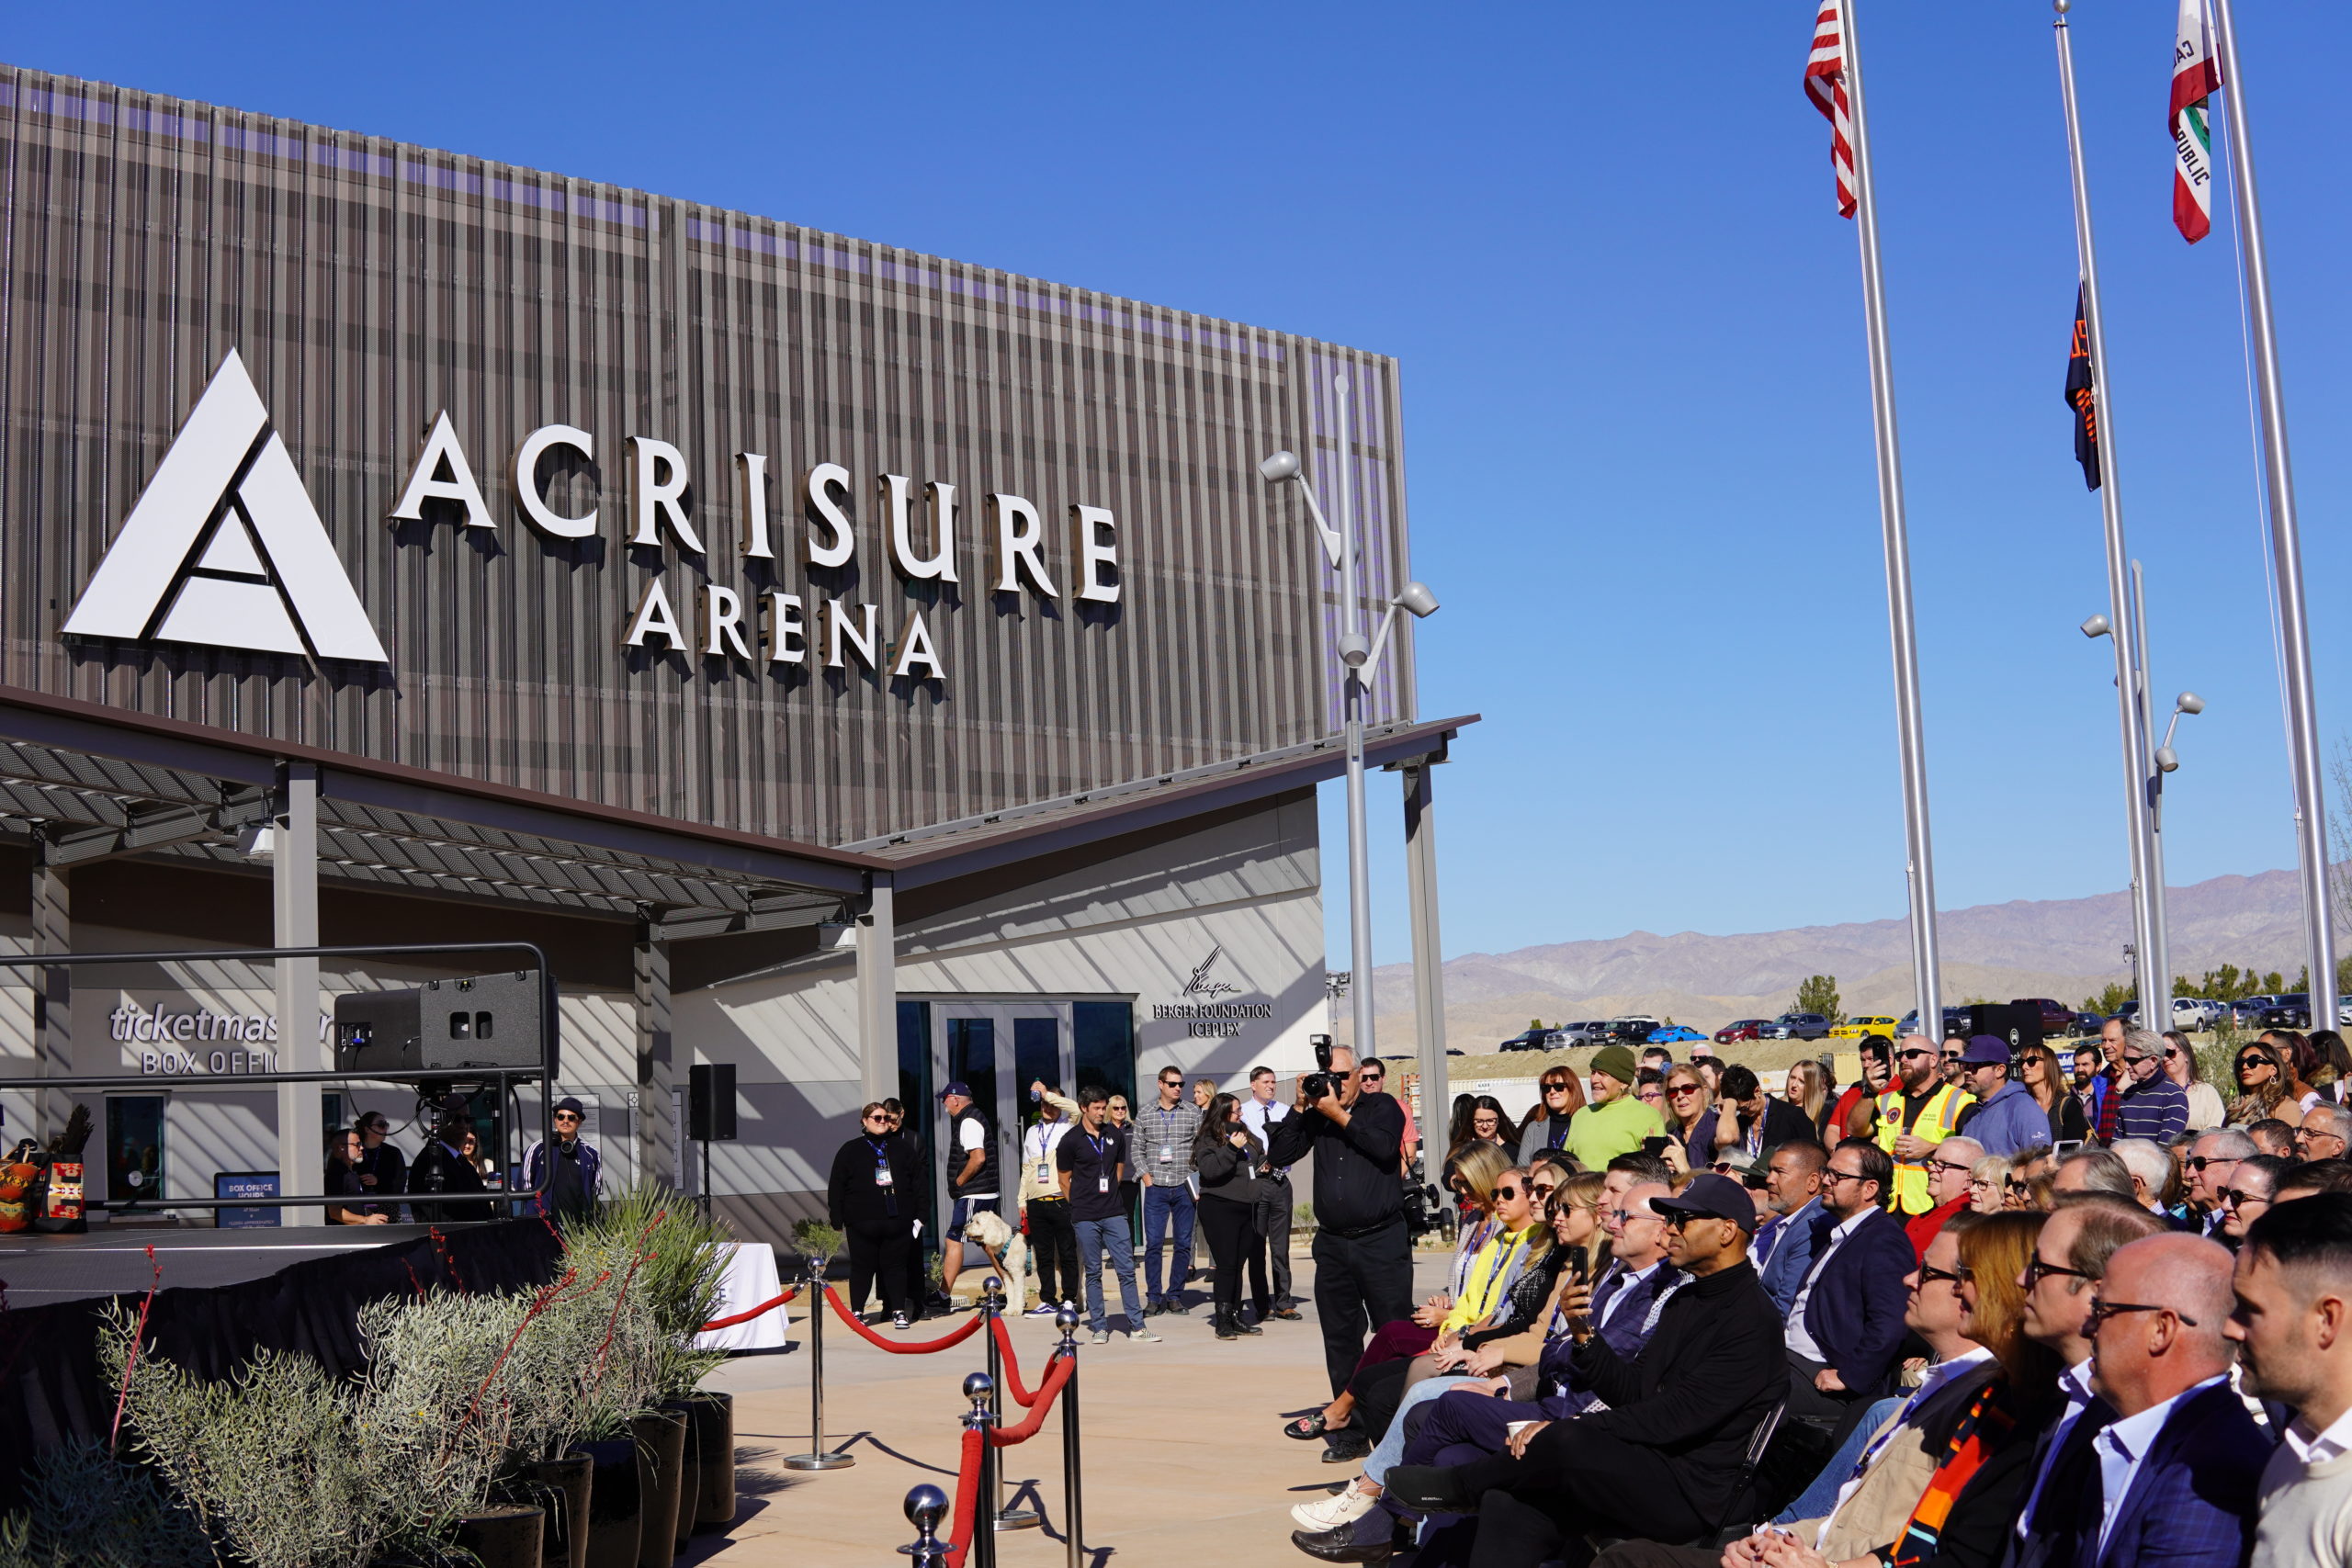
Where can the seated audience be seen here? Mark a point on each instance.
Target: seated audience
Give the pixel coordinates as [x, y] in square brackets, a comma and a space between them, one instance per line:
[1663, 1461]
[2293, 1329]
[2163, 1465]
[2325, 1133]
[2315, 1175]
[2273, 1136]
[2212, 1160]
[2095, 1170]
[2253, 1189]
[2154, 1108]
[1745, 1120]
[2007, 1118]
[1783, 1250]
[2151, 1172]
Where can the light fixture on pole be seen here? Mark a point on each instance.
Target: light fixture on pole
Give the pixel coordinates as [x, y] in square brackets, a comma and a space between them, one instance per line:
[1360, 658]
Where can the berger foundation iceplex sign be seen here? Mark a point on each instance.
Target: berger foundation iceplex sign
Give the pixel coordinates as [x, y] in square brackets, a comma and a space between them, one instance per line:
[224, 549]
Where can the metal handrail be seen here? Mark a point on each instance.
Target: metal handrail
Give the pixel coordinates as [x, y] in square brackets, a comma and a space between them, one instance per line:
[506, 1077]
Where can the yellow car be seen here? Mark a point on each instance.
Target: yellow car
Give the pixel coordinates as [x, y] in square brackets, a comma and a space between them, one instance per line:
[1863, 1028]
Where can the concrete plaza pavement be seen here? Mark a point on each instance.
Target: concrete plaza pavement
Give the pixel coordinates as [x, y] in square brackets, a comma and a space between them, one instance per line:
[1184, 1458]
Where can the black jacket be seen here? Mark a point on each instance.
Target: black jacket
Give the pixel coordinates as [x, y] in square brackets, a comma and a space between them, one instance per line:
[1710, 1369]
[855, 1201]
[1357, 1187]
[1784, 1123]
[1227, 1172]
[438, 1170]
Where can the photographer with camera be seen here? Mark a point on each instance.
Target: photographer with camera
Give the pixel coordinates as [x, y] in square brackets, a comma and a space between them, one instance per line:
[1363, 1259]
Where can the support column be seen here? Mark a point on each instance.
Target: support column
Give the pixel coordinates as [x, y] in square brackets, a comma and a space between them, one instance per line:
[657, 1121]
[53, 912]
[1428, 975]
[878, 994]
[294, 900]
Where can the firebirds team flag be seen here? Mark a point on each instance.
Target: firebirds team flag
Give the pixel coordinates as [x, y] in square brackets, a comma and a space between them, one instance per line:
[2195, 75]
[2080, 398]
[1824, 83]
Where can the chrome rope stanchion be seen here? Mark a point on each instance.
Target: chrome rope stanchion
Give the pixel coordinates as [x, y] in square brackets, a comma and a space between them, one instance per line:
[926, 1506]
[817, 1458]
[1067, 1321]
[992, 1305]
[980, 1388]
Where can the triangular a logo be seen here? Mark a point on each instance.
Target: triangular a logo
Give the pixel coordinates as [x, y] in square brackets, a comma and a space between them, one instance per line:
[224, 548]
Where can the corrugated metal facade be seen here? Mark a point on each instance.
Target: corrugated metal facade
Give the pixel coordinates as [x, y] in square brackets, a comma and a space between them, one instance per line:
[369, 284]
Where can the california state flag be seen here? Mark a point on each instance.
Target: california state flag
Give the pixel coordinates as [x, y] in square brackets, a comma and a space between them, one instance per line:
[2195, 75]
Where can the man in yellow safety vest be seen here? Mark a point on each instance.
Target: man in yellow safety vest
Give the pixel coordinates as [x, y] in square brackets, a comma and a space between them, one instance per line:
[1917, 1112]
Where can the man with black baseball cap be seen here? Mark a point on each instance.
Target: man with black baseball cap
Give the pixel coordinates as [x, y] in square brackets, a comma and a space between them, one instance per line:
[1662, 1461]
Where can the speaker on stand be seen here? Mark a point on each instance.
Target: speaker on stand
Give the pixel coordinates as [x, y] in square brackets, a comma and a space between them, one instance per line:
[710, 1113]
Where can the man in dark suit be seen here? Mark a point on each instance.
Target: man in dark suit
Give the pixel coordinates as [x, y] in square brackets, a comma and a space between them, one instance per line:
[1846, 1326]
[2172, 1476]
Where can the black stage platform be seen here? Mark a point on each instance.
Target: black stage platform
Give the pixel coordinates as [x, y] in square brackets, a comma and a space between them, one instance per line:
[111, 1261]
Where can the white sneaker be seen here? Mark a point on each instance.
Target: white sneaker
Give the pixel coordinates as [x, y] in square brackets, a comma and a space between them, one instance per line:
[1143, 1337]
[1102, 1337]
[1331, 1513]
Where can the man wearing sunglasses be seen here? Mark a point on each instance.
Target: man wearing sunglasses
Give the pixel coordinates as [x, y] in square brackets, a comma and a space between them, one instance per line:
[2153, 1107]
[2060, 1281]
[1917, 1112]
[573, 1160]
[2212, 1160]
[2175, 1469]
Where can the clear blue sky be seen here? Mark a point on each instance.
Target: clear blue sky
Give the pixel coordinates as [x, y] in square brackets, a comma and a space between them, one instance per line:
[1638, 432]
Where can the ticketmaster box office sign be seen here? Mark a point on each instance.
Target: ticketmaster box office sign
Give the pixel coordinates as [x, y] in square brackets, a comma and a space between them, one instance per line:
[565, 487]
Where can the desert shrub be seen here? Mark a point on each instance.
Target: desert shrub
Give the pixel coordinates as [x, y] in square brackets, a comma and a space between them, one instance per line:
[91, 1510]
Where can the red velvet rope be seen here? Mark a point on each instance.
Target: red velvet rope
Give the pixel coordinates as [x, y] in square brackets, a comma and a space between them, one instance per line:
[766, 1306]
[1056, 1376]
[1013, 1368]
[968, 1496]
[899, 1347]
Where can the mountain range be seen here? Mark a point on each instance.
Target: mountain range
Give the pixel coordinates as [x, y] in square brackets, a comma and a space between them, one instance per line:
[2067, 948]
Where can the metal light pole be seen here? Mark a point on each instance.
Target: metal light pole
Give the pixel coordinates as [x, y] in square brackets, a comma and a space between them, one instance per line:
[2153, 984]
[2167, 762]
[1361, 658]
[1910, 727]
[2286, 539]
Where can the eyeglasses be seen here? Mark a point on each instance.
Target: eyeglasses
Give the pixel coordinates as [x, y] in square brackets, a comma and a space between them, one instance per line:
[2306, 1136]
[1543, 1189]
[2170, 1053]
[1929, 1276]
[1680, 1089]
[2039, 1268]
[1832, 1176]
[2230, 1197]
[2131, 1061]
[1506, 1191]
[2101, 1311]
[1907, 1056]
[1951, 1164]
[1172, 1083]
[1627, 1216]
[1555, 1089]
[574, 1115]
[2247, 1064]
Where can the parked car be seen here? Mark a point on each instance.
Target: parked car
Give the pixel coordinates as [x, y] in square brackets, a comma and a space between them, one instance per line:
[1741, 1029]
[2057, 1020]
[2292, 1010]
[1531, 1039]
[2087, 1025]
[2248, 1011]
[1798, 1026]
[1585, 1032]
[1864, 1026]
[1673, 1035]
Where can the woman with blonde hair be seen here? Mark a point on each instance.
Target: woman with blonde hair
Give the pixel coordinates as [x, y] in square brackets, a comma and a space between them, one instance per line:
[2045, 1078]
[2180, 1064]
[1473, 1174]
[1688, 1106]
[1808, 1091]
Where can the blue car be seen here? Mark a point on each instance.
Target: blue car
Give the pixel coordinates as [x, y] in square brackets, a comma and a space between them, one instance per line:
[1673, 1035]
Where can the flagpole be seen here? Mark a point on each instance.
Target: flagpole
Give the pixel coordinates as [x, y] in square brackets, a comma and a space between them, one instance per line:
[1910, 731]
[2286, 541]
[2147, 946]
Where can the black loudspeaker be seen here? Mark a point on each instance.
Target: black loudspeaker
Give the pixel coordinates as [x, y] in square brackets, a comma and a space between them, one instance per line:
[2019, 1026]
[487, 1020]
[710, 1101]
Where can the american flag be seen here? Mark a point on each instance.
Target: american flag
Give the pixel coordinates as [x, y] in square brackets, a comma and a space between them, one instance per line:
[2195, 76]
[1824, 83]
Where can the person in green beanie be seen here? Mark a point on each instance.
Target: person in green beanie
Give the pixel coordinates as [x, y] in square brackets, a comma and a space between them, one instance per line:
[1613, 1122]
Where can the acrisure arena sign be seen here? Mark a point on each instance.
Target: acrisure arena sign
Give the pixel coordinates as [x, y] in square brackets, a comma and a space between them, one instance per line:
[224, 548]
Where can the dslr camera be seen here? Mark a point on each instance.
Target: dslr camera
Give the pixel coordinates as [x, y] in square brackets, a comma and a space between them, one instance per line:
[1319, 1082]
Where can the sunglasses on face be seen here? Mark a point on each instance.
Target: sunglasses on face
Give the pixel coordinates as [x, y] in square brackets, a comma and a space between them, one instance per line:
[1680, 1089]
[2131, 1061]
[1555, 1089]
[1172, 1083]
[2230, 1198]
[1545, 1189]
[1506, 1192]
[1955, 1279]
[2039, 1268]
[2206, 1162]
[2101, 1311]
[2247, 1064]
[1908, 1056]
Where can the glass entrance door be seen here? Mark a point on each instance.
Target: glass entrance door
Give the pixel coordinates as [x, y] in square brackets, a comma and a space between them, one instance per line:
[1000, 1049]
